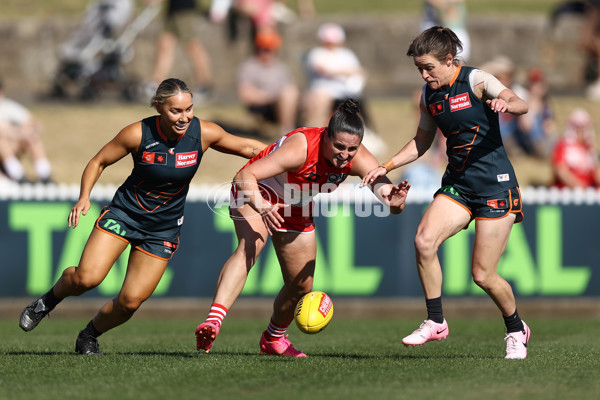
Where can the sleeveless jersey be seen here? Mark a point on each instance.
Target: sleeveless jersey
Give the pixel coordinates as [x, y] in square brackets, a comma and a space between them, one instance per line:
[153, 197]
[477, 161]
[316, 176]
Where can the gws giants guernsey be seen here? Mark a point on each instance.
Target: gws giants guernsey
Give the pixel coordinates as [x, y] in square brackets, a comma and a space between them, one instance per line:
[477, 161]
[153, 197]
[316, 175]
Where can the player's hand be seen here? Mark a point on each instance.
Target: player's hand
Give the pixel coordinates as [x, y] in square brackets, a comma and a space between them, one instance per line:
[373, 174]
[272, 218]
[397, 196]
[497, 105]
[81, 207]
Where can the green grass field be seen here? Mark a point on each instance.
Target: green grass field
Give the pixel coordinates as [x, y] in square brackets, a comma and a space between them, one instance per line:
[351, 359]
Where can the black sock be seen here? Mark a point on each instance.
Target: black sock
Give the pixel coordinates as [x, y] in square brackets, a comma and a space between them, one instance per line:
[50, 299]
[513, 323]
[91, 329]
[434, 310]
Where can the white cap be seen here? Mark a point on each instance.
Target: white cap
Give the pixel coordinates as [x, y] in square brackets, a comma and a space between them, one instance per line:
[331, 33]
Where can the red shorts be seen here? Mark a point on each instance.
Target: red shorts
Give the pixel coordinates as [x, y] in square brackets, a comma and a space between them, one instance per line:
[296, 219]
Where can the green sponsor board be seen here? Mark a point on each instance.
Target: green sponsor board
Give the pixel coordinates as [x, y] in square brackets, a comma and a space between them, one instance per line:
[337, 272]
[40, 221]
[351, 260]
[547, 277]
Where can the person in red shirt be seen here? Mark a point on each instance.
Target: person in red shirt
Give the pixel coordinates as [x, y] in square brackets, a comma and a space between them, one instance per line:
[272, 195]
[575, 160]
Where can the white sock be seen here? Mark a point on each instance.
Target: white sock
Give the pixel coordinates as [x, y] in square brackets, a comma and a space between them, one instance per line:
[43, 168]
[14, 169]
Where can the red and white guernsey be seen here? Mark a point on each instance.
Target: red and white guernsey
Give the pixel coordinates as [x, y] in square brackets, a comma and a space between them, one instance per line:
[317, 175]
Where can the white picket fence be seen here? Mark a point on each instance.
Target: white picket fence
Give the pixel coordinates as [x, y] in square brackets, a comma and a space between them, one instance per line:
[350, 192]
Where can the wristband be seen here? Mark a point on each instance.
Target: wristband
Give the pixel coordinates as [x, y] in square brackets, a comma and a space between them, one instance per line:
[388, 165]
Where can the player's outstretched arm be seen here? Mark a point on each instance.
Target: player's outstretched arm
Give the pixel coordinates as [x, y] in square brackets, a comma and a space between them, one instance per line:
[215, 137]
[127, 141]
[393, 196]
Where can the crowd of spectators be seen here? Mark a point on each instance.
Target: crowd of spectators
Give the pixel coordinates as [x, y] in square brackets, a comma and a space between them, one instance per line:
[270, 91]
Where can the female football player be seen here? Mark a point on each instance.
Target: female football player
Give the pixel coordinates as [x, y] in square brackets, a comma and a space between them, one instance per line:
[479, 182]
[273, 195]
[146, 211]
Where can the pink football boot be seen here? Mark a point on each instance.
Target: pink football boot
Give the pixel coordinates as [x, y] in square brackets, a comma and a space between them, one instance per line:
[428, 330]
[206, 333]
[516, 343]
[281, 347]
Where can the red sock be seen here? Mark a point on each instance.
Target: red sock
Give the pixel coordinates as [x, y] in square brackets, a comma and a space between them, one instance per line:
[217, 313]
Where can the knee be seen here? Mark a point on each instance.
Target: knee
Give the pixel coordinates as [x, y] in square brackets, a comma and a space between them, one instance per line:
[79, 281]
[425, 245]
[305, 287]
[129, 304]
[481, 278]
[290, 92]
[300, 287]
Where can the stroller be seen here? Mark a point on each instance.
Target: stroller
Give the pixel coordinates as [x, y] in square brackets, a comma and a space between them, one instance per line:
[92, 60]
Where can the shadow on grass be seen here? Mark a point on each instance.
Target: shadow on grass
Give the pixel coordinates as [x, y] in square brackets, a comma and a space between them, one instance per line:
[350, 356]
[445, 357]
[400, 357]
[178, 354]
[36, 353]
[264, 357]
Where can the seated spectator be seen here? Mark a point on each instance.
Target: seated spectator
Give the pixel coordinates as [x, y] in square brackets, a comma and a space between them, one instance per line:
[575, 160]
[535, 131]
[20, 134]
[265, 84]
[334, 74]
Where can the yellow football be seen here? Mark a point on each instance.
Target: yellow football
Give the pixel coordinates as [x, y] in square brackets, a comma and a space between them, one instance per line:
[313, 312]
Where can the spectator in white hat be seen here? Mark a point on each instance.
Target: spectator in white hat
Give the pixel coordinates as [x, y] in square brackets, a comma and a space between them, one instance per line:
[334, 73]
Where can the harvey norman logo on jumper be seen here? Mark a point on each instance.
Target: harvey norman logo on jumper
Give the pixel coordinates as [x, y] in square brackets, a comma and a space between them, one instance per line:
[460, 102]
[183, 160]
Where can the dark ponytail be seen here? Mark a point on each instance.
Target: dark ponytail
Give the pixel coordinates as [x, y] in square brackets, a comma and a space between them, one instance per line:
[347, 119]
[437, 41]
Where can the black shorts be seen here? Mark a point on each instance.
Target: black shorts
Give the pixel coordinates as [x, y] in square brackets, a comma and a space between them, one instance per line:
[158, 246]
[487, 207]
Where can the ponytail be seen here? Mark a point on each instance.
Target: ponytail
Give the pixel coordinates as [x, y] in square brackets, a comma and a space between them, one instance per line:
[347, 119]
[437, 41]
